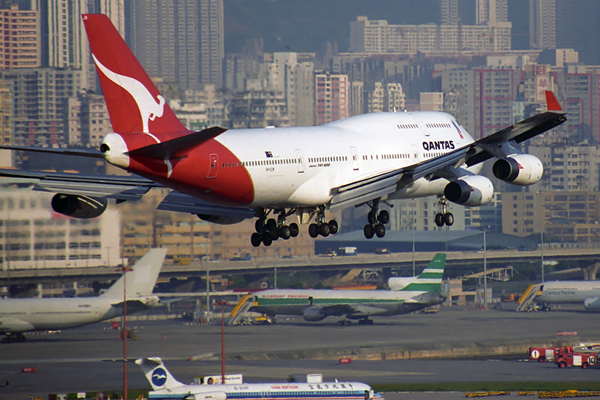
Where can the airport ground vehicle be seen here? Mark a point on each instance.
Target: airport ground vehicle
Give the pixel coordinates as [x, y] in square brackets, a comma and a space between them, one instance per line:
[542, 354]
[567, 357]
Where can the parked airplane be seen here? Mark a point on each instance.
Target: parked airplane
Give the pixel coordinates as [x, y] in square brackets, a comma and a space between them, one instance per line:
[35, 314]
[226, 176]
[318, 304]
[558, 292]
[166, 387]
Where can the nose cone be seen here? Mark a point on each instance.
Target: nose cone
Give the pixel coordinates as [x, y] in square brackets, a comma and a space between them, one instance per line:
[115, 150]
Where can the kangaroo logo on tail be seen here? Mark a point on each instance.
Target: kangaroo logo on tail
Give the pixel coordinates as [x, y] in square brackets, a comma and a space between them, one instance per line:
[147, 104]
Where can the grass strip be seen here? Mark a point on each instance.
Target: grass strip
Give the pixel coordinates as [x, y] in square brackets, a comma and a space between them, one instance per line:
[485, 386]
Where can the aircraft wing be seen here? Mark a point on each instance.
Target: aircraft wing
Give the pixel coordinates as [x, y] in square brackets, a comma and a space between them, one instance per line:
[14, 324]
[481, 150]
[117, 187]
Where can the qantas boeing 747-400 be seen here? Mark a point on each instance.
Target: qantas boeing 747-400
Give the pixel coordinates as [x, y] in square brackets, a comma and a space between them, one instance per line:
[226, 176]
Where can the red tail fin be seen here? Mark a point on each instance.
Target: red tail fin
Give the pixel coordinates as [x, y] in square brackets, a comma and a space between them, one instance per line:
[552, 103]
[133, 101]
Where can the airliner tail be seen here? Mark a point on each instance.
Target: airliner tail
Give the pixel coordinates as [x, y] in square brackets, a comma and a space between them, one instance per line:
[142, 278]
[157, 374]
[133, 101]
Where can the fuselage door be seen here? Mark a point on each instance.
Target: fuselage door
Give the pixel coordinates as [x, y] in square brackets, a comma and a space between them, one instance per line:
[213, 169]
[422, 125]
[300, 161]
[355, 165]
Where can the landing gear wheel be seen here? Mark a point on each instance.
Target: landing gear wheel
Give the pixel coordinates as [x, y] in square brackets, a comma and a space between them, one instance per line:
[371, 217]
[267, 239]
[380, 230]
[333, 227]
[274, 233]
[313, 230]
[384, 217]
[439, 219]
[256, 239]
[449, 219]
[285, 232]
[324, 230]
[369, 231]
[294, 229]
[259, 225]
[271, 224]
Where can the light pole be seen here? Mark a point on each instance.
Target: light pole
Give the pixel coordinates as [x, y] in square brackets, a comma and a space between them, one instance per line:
[542, 240]
[484, 270]
[124, 270]
[413, 235]
[275, 252]
[207, 282]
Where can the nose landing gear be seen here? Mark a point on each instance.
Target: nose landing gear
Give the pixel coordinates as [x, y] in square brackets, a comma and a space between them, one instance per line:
[445, 217]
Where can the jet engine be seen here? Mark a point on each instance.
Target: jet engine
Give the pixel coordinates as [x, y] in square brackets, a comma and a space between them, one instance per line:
[77, 206]
[220, 219]
[471, 190]
[314, 315]
[592, 303]
[519, 169]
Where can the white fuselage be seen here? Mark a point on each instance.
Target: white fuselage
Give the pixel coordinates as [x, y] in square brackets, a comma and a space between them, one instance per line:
[24, 315]
[342, 152]
[568, 291]
[277, 391]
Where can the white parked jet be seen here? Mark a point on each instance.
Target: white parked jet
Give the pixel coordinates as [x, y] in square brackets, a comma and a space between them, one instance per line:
[34, 314]
[225, 176]
[166, 387]
[559, 292]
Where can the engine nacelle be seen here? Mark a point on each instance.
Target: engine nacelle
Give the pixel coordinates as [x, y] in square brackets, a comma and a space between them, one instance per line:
[592, 303]
[313, 315]
[519, 169]
[471, 190]
[76, 206]
[220, 219]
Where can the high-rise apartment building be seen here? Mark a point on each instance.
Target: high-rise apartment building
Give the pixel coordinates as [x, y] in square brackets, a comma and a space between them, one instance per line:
[379, 37]
[64, 43]
[212, 43]
[180, 40]
[20, 45]
[491, 12]
[449, 12]
[486, 96]
[39, 103]
[542, 24]
[331, 97]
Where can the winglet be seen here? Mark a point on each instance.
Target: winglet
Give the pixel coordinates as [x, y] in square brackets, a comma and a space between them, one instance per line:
[552, 103]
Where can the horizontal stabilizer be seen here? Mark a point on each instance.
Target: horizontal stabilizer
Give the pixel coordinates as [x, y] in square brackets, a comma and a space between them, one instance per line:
[165, 150]
[65, 152]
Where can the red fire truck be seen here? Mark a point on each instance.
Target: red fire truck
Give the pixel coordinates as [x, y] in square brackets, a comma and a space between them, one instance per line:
[566, 357]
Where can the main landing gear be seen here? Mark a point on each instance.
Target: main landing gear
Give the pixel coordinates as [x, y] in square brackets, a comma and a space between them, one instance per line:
[444, 217]
[321, 227]
[269, 230]
[365, 321]
[13, 337]
[377, 219]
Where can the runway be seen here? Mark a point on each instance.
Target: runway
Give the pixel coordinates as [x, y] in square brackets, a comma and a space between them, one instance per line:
[84, 359]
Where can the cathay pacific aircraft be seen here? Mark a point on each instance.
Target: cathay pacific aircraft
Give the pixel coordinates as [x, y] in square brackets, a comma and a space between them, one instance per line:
[35, 314]
[409, 294]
